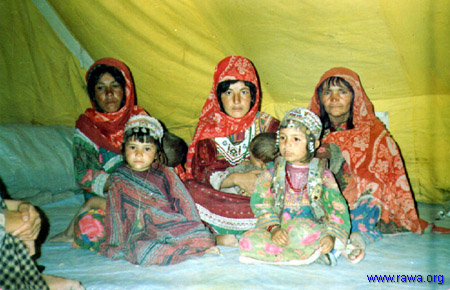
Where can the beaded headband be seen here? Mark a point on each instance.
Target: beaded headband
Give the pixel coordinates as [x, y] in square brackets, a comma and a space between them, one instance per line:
[304, 117]
[144, 123]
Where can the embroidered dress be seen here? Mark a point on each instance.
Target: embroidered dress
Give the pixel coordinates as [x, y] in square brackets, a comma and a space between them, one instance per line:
[17, 268]
[221, 141]
[369, 167]
[98, 136]
[304, 201]
[151, 219]
[93, 164]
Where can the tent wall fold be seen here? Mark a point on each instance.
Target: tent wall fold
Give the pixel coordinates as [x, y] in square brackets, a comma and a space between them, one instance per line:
[398, 48]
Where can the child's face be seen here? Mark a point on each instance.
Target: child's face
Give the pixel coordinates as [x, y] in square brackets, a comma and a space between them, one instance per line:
[256, 162]
[293, 145]
[139, 156]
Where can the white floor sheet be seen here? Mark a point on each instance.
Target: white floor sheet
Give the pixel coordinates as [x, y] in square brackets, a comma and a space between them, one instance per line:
[427, 255]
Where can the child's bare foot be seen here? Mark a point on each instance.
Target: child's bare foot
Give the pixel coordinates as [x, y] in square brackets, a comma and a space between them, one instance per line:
[62, 237]
[60, 283]
[355, 250]
[213, 251]
[227, 240]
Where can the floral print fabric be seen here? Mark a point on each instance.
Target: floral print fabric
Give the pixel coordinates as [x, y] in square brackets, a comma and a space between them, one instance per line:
[373, 161]
[89, 231]
[297, 217]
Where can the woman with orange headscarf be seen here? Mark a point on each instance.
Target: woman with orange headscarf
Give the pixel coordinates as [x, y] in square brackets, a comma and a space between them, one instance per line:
[228, 122]
[99, 131]
[364, 158]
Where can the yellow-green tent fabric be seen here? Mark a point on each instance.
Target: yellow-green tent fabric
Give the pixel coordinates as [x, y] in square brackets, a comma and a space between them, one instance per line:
[400, 49]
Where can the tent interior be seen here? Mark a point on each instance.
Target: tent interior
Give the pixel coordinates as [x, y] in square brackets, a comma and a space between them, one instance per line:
[400, 50]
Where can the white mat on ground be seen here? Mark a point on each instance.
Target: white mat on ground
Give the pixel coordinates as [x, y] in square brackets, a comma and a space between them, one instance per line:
[403, 254]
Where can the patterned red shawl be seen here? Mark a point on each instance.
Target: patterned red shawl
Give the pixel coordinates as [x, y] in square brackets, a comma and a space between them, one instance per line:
[373, 157]
[215, 123]
[106, 129]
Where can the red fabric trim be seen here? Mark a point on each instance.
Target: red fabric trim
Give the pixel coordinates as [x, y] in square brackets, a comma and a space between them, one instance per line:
[215, 123]
[106, 129]
[373, 157]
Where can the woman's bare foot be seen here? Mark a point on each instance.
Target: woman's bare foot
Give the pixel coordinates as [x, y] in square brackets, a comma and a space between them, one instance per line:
[227, 240]
[60, 283]
[64, 237]
[213, 251]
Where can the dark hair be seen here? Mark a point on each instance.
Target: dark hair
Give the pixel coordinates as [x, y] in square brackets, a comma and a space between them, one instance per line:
[225, 85]
[96, 73]
[263, 146]
[175, 149]
[3, 191]
[143, 136]
[334, 81]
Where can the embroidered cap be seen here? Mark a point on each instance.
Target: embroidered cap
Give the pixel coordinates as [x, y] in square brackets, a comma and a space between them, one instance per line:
[305, 120]
[304, 117]
[144, 123]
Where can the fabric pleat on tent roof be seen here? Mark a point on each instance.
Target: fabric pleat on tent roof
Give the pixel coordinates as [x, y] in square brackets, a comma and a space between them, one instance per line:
[400, 49]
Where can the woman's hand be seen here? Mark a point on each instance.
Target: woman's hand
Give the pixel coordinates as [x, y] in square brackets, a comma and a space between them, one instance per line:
[327, 244]
[31, 222]
[245, 181]
[280, 236]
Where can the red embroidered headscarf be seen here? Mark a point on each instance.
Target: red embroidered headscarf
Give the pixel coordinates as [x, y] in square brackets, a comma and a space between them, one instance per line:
[107, 129]
[215, 123]
[373, 157]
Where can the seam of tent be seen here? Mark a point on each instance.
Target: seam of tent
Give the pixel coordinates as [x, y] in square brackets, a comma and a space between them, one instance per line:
[63, 33]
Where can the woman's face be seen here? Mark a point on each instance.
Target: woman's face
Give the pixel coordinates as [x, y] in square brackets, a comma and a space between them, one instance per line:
[337, 100]
[236, 100]
[108, 93]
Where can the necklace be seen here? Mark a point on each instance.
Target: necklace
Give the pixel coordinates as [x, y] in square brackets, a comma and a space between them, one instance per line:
[296, 190]
[138, 222]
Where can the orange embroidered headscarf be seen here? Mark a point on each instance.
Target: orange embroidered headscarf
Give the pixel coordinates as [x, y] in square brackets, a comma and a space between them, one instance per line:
[373, 157]
[107, 129]
[215, 123]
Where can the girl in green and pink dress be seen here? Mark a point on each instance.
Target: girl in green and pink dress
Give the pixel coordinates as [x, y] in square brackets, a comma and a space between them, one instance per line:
[301, 214]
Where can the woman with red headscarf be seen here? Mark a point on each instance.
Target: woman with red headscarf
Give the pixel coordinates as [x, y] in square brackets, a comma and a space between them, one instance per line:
[229, 120]
[365, 160]
[99, 131]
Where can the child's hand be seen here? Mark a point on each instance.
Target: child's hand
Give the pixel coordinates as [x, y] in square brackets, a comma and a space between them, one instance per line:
[327, 244]
[280, 236]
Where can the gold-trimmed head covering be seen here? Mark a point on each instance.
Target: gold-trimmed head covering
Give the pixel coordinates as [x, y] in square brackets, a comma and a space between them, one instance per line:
[305, 120]
[145, 124]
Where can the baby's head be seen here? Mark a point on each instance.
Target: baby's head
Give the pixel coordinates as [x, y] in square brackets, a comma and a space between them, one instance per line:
[142, 142]
[299, 135]
[175, 149]
[263, 149]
